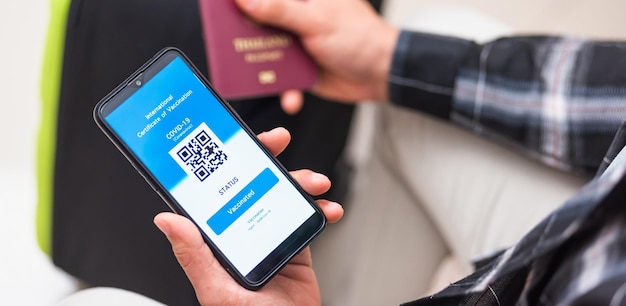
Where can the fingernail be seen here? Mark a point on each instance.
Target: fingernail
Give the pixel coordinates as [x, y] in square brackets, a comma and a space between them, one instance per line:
[318, 177]
[162, 225]
[334, 204]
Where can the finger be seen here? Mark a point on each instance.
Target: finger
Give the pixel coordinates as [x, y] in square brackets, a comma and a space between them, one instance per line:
[291, 15]
[192, 253]
[332, 210]
[312, 182]
[291, 101]
[275, 140]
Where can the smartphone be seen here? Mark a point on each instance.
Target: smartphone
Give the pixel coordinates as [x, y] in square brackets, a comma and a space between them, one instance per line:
[206, 164]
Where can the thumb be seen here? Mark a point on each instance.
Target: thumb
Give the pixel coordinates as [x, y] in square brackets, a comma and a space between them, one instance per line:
[291, 15]
[192, 253]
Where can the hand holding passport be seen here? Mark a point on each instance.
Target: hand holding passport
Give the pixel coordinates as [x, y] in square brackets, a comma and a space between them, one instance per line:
[247, 59]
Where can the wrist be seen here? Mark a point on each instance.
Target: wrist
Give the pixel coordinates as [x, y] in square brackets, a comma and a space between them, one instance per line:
[381, 62]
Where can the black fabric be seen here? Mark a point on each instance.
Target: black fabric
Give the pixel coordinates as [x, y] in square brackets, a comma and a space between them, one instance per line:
[424, 69]
[616, 146]
[102, 229]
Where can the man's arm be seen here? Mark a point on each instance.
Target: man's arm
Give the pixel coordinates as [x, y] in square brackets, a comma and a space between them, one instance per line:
[560, 99]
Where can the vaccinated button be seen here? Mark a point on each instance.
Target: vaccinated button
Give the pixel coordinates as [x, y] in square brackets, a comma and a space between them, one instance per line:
[241, 202]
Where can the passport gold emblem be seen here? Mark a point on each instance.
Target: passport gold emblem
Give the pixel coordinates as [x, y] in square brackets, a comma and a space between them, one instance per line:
[267, 77]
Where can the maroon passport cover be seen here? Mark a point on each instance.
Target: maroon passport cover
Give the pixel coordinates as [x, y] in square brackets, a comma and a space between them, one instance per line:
[248, 60]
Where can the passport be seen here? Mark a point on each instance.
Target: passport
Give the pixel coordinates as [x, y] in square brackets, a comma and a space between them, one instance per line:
[247, 59]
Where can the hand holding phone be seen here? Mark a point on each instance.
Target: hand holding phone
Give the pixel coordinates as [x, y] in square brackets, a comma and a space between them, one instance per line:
[297, 284]
[207, 165]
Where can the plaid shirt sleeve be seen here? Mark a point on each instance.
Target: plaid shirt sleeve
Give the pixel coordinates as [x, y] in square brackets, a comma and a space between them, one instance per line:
[575, 256]
[558, 99]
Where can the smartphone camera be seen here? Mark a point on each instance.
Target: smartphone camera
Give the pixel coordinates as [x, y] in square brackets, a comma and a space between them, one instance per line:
[137, 82]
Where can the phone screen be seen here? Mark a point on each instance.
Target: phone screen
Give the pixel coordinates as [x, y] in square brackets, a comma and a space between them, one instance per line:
[210, 167]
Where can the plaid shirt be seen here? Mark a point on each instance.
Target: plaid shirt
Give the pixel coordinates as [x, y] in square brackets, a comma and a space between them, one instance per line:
[562, 100]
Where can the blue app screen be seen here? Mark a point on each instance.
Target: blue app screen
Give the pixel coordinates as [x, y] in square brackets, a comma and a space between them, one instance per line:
[210, 165]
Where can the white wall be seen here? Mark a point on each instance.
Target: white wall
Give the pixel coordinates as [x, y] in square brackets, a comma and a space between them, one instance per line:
[598, 18]
[26, 275]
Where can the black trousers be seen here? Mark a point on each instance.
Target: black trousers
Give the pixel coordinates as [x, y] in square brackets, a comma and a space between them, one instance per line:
[102, 229]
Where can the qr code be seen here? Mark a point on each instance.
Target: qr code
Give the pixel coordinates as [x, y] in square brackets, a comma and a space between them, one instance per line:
[199, 153]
